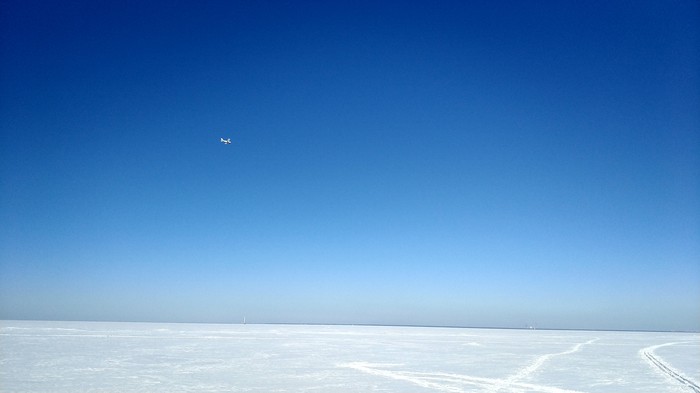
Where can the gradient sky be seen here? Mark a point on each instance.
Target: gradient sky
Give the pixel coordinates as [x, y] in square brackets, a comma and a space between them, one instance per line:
[460, 163]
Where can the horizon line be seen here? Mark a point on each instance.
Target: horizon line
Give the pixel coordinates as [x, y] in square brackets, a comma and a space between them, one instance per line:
[371, 325]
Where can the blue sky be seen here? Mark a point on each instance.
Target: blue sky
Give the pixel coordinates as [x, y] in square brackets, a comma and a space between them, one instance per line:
[465, 163]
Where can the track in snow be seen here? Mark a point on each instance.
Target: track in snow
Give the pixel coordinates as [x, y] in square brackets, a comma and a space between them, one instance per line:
[648, 354]
[457, 383]
[525, 372]
[452, 383]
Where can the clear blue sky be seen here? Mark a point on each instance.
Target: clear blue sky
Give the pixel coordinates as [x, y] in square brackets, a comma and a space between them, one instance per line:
[460, 163]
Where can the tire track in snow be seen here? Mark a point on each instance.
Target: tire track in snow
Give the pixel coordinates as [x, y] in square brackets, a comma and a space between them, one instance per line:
[648, 354]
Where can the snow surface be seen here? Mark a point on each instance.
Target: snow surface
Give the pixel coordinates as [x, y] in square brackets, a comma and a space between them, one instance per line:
[144, 357]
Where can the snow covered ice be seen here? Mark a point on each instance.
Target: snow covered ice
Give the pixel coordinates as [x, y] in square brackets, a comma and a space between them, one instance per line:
[145, 357]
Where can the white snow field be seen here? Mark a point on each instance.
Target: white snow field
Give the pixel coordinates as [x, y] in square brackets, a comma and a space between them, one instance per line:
[148, 357]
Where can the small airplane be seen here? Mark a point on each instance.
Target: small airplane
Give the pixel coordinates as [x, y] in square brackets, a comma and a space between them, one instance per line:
[226, 141]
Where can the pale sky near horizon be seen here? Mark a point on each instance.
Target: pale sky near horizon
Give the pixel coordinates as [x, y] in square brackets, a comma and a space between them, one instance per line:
[460, 163]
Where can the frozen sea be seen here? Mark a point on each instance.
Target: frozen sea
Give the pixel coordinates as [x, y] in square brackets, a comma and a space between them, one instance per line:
[149, 357]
